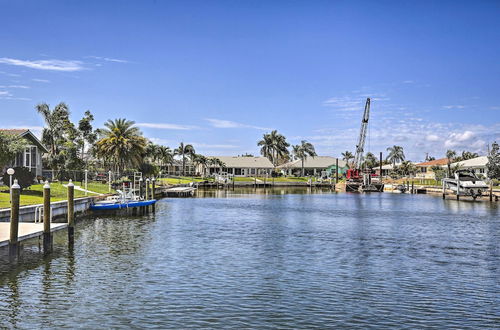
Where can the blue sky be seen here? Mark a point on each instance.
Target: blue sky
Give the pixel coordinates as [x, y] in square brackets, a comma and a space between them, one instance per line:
[219, 74]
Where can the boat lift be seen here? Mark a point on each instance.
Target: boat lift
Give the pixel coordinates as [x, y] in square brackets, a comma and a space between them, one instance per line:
[465, 183]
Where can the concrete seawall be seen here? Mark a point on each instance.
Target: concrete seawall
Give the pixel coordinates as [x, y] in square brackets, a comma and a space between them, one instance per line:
[59, 210]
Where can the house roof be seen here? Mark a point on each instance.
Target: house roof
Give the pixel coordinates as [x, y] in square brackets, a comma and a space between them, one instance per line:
[244, 162]
[474, 162]
[24, 132]
[314, 162]
[436, 162]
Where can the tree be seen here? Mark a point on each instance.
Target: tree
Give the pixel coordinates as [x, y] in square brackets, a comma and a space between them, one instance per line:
[10, 145]
[302, 150]
[347, 156]
[122, 143]
[165, 155]
[396, 154]
[493, 165]
[439, 173]
[201, 160]
[57, 124]
[87, 134]
[274, 147]
[466, 155]
[450, 154]
[407, 168]
[184, 150]
[370, 160]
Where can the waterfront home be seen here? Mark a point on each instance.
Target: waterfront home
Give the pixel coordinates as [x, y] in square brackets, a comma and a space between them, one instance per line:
[239, 166]
[31, 157]
[424, 170]
[318, 165]
[386, 169]
[478, 165]
[175, 168]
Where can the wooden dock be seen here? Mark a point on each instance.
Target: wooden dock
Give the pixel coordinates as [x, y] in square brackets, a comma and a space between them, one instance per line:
[27, 230]
[179, 192]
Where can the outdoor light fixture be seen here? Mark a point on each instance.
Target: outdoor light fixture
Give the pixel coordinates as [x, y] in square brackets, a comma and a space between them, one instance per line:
[10, 172]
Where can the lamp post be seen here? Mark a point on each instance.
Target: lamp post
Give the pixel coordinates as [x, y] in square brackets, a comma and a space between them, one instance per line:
[10, 172]
[86, 173]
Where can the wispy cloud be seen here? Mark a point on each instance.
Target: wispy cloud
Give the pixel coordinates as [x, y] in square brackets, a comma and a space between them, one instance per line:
[166, 126]
[15, 86]
[5, 93]
[449, 107]
[408, 82]
[108, 59]
[213, 146]
[220, 123]
[41, 80]
[10, 74]
[50, 65]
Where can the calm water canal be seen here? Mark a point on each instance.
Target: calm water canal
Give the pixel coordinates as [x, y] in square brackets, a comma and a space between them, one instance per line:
[285, 259]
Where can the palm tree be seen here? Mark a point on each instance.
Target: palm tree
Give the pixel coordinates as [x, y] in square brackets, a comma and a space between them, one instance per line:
[396, 154]
[56, 122]
[408, 168]
[164, 155]
[370, 160]
[347, 156]
[450, 154]
[468, 155]
[122, 143]
[274, 147]
[201, 160]
[184, 150]
[302, 150]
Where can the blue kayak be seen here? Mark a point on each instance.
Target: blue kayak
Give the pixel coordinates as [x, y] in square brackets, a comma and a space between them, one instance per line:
[116, 206]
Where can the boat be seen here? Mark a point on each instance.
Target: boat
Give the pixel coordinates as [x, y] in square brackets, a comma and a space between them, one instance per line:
[466, 183]
[124, 200]
[110, 205]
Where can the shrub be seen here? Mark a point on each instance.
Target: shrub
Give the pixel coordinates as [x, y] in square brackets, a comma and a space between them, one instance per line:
[24, 177]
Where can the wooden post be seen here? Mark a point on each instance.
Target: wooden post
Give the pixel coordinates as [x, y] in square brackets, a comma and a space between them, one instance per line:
[71, 213]
[412, 188]
[147, 189]
[380, 167]
[47, 237]
[337, 171]
[15, 191]
[153, 188]
[444, 190]
[491, 191]
[458, 189]
[140, 188]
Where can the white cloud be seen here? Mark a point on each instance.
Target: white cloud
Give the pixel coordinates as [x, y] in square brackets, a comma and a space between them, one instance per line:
[166, 126]
[220, 123]
[51, 65]
[408, 82]
[432, 138]
[41, 80]
[15, 86]
[5, 93]
[108, 59]
[448, 107]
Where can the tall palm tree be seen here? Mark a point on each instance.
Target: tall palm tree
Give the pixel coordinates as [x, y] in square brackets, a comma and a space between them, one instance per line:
[302, 150]
[396, 154]
[450, 154]
[183, 151]
[469, 155]
[164, 155]
[122, 143]
[347, 156]
[274, 147]
[56, 122]
[370, 160]
[201, 160]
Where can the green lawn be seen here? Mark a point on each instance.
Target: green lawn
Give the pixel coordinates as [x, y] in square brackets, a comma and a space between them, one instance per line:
[34, 194]
[182, 180]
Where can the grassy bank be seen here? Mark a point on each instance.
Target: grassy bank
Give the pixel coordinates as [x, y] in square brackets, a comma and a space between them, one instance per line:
[34, 194]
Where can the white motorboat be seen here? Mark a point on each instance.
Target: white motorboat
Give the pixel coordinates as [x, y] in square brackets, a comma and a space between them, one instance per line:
[466, 183]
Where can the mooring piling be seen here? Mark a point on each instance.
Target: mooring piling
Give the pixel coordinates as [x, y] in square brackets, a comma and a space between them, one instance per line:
[47, 236]
[71, 213]
[15, 191]
[491, 191]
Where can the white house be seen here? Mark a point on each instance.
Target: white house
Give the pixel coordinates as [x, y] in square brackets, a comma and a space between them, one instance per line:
[313, 166]
[240, 166]
[478, 165]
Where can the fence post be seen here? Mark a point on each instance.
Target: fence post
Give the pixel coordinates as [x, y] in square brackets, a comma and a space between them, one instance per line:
[71, 213]
[15, 191]
[47, 237]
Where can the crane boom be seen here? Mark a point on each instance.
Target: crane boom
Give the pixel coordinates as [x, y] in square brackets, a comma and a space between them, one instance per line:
[362, 136]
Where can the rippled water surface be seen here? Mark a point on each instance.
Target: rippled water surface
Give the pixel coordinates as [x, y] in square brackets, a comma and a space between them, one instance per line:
[277, 260]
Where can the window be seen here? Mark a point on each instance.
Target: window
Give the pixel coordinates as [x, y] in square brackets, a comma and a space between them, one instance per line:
[237, 171]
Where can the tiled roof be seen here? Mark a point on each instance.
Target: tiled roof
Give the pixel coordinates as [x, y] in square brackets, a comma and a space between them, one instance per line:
[14, 131]
[436, 162]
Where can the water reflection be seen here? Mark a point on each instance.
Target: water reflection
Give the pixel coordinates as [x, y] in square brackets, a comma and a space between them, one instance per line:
[267, 258]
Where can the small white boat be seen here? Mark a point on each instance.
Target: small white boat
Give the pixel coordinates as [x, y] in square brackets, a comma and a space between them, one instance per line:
[466, 183]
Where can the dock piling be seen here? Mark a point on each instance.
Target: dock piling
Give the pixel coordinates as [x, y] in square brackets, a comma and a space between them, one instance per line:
[15, 191]
[71, 213]
[47, 237]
